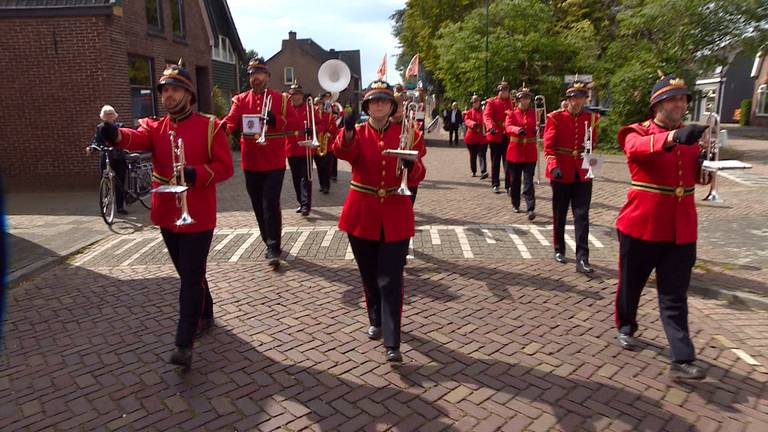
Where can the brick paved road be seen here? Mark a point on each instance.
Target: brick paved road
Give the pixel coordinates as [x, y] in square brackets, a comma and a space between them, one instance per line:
[493, 341]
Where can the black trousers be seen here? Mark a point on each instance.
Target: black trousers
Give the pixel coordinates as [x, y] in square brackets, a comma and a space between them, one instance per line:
[300, 178]
[381, 268]
[334, 166]
[578, 196]
[477, 154]
[189, 253]
[453, 135]
[673, 264]
[414, 190]
[499, 154]
[524, 170]
[264, 189]
[323, 164]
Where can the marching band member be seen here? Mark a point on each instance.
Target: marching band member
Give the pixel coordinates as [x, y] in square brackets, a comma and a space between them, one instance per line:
[494, 115]
[563, 147]
[521, 151]
[378, 221]
[263, 164]
[326, 132]
[474, 138]
[418, 142]
[300, 127]
[207, 161]
[657, 225]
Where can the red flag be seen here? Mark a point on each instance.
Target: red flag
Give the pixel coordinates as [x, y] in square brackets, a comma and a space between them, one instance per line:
[382, 71]
[413, 67]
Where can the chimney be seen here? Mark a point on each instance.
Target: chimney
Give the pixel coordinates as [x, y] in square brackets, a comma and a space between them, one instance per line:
[292, 35]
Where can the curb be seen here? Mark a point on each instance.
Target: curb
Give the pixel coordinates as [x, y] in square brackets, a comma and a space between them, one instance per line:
[738, 299]
[19, 276]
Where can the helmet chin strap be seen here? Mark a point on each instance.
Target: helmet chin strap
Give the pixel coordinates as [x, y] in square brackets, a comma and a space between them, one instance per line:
[181, 108]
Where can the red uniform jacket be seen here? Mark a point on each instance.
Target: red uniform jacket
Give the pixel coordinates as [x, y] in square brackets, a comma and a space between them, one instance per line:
[564, 143]
[521, 149]
[257, 157]
[494, 115]
[206, 148]
[296, 131]
[418, 144]
[371, 204]
[473, 120]
[660, 203]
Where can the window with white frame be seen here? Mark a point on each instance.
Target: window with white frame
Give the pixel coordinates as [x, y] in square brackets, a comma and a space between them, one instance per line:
[762, 100]
[222, 50]
[288, 75]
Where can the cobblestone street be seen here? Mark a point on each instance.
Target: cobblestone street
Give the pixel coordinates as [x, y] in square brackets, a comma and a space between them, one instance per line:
[496, 334]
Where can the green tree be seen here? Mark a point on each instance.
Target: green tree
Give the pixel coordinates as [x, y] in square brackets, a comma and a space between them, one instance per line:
[521, 52]
[249, 54]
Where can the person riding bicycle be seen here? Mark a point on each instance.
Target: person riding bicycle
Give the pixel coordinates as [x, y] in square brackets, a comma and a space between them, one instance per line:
[116, 158]
[203, 142]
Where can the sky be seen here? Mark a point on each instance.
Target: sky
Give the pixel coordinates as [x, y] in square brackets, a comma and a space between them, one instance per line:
[342, 25]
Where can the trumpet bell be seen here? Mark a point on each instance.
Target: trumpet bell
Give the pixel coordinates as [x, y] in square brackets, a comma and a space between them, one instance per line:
[334, 76]
[185, 219]
[403, 190]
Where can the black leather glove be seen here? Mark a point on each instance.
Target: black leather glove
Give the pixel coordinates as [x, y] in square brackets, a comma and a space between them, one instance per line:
[308, 131]
[350, 120]
[556, 173]
[522, 133]
[271, 119]
[492, 131]
[689, 135]
[107, 132]
[408, 164]
[190, 175]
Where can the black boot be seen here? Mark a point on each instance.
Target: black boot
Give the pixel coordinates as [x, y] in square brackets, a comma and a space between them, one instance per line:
[182, 357]
[560, 257]
[203, 326]
[686, 371]
[582, 266]
[374, 333]
[394, 356]
[628, 342]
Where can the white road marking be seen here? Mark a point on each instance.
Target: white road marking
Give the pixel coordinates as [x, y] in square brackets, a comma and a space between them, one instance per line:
[488, 236]
[518, 243]
[464, 243]
[243, 247]
[141, 252]
[294, 252]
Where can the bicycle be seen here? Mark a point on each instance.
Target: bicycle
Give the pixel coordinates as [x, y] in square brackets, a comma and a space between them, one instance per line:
[138, 179]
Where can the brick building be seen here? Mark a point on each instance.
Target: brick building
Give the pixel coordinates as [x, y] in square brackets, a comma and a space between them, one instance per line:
[759, 115]
[64, 59]
[300, 59]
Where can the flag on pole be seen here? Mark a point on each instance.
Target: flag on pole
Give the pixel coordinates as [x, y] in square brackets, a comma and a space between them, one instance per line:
[382, 71]
[413, 67]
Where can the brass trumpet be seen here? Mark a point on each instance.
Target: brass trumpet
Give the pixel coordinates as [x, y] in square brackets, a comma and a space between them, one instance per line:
[404, 151]
[266, 106]
[540, 108]
[709, 146]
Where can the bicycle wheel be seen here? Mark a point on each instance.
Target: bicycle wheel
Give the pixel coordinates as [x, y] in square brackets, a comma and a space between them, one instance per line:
[107, 200]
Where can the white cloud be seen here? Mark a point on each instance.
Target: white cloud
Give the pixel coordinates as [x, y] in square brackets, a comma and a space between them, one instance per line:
[342, 25]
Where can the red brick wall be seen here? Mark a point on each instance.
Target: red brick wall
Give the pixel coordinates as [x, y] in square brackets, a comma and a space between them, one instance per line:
[59, 71]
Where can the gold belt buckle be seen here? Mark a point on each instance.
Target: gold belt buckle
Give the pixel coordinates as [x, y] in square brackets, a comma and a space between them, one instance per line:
[381, 192]
[679, 191]
[575, 153]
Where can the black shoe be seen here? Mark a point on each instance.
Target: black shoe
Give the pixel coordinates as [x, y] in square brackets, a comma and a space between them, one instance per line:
[122, 211]
[298, 210]
[374, 333]
[334, 179]
[686, 371]
[495, 189]
[394, 356]
[516, 209]
[560, 257]
[273, 259]
[474, 175]
[628, 342]
[531, 215]
[203, 326]
[483, 176]
[324, 191]
[305, 211]
[582, 266]
[182, 357]
[509, 191]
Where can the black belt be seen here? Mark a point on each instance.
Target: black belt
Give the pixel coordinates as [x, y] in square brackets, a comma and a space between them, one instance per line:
[379, 192]
[678, 191]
